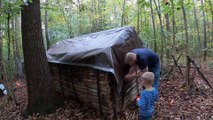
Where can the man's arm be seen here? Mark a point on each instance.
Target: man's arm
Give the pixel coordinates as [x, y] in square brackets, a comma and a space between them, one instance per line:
[132, 72]
[139, 73]
[136, 74]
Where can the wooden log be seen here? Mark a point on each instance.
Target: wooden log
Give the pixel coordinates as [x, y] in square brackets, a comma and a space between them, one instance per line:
[204, 78]
[176, 64]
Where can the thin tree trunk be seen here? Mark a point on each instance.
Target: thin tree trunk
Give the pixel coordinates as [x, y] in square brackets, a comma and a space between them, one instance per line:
[153, 25]
[212, 19]
[104, 15]
[211, 11]
[93, 14]
[8, 35]
[69, 25]
[188, 82]
[115, 11]
[41, 90]
[167, 38]
[167, 23]
[1, 59]
[204, 32]
[163, 41]
[17, 37]
[198, 33]
[46, 25]
[141, 19]
[123, 14]
[14, 38]
[17, 58]
[173, 38]
[100, 15]
[138, 16]
[79, 17]
[145, 17]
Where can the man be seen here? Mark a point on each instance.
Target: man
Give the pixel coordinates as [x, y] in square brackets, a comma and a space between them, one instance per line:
[146, 60]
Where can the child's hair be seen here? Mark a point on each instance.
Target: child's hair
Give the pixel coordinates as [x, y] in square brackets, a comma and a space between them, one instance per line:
[148, 78]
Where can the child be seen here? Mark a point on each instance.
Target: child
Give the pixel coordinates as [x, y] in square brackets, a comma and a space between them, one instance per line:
[147, 97]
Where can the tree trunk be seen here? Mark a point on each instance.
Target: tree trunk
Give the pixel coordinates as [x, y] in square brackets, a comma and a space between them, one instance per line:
[41, 90]
[204, 32]
[79, 16]
[188, 82]
[93, 15]
[166, 3]
[141, 19]
[173, 38]
[8, 35]
[198, 33]
[158, 9]
[115, 11]
[167, 22]
[1, 59]
[69, 25]
[46, 25]
[168, 37]
[17, 58]
[104, 14]
[138, 16]
[153, 26]
[99, 22]
[211, 11]
[123, 14]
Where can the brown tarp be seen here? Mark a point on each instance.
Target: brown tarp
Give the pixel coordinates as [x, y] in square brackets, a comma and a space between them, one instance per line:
[103, 50]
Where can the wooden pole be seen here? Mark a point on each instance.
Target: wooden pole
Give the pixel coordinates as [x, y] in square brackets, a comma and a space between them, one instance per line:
[204, 78]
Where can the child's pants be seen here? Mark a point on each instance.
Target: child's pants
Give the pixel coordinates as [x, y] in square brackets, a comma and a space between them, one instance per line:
[146, 118]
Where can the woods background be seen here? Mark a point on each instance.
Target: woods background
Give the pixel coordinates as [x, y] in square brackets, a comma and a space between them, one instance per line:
[170, 27]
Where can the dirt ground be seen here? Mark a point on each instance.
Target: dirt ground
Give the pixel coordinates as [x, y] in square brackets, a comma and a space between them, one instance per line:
[176, 102]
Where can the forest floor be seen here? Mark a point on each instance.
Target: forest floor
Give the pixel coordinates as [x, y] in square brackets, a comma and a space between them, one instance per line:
[176, 102]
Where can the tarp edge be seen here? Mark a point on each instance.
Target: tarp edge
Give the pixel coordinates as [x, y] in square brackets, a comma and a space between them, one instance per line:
[105, 69]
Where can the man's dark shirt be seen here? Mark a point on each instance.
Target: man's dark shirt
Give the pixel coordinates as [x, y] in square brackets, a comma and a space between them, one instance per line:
[146, 57]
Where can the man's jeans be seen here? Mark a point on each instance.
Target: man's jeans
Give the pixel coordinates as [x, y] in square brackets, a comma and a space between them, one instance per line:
[156, 71]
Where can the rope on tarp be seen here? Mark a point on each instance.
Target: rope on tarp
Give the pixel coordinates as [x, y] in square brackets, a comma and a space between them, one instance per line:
[99, 93]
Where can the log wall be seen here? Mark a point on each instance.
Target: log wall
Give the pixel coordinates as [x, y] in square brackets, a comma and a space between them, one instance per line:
[94, 88]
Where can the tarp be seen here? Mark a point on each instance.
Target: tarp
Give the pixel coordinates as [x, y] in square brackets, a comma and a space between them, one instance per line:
[103, 50]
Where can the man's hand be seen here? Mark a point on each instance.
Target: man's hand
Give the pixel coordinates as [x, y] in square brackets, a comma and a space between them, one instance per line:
[135, 72]
[129, 76]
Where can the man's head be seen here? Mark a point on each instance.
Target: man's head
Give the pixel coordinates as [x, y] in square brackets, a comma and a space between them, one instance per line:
[130, 58]
[148, 78]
